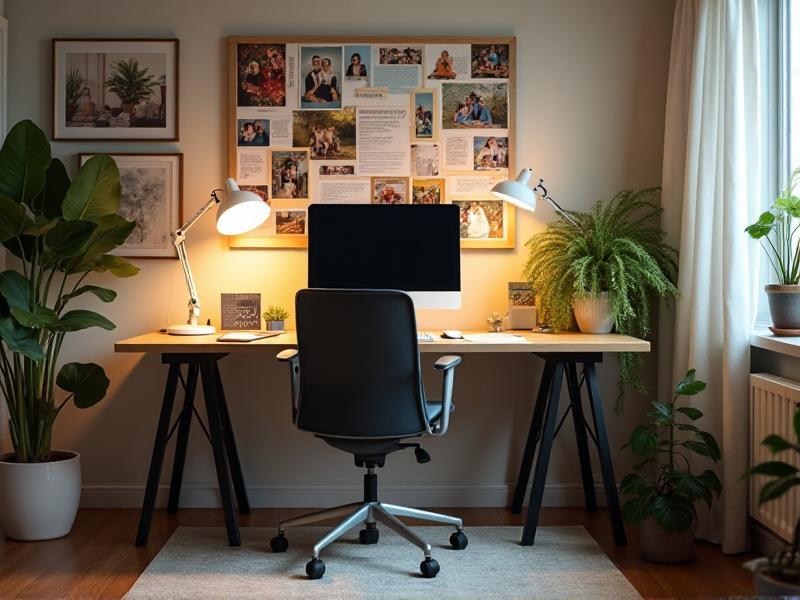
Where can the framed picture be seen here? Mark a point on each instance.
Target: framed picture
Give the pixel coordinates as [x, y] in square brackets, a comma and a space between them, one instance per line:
[486, 223]
[115, 89]
[290, 173]
[152, 195]
[424, 114]
[427, 191]
[390, 190]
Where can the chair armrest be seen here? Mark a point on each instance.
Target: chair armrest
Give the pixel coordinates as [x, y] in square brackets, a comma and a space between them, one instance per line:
[292, 357]
[447, 365]
[447, 362]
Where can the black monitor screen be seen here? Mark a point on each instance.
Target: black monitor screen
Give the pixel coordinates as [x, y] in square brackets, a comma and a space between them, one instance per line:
[401, 247]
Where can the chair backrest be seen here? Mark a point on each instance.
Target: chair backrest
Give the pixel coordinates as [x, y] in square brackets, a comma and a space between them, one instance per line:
[360, 375]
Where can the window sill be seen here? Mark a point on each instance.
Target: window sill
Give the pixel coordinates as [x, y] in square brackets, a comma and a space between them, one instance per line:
[763, 338]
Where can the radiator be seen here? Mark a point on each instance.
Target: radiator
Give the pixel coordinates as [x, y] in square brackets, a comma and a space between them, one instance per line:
[773, 402]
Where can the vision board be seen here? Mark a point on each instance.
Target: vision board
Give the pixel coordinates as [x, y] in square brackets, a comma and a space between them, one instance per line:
[381, 120]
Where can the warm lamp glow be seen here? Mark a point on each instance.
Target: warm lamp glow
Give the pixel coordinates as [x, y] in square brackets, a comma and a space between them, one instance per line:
[240, 211]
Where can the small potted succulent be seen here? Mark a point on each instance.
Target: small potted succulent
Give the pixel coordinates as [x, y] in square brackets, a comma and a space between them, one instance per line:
[779, 575]
[275, 316]
[775, 231]
[662, 490]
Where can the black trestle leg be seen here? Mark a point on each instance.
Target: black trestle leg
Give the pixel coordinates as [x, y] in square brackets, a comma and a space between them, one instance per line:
[607, 466]
[157, 459]
[543, 458]
[182, 441]
[533, 434]
[230, 446]
[217, 434]
[581, 438]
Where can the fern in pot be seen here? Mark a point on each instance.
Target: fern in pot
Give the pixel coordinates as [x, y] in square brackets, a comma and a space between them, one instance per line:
[776, 231]
[61, 232]
[608, 266]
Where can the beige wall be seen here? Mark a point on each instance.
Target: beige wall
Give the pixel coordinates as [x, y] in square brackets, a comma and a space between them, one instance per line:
[592, 81]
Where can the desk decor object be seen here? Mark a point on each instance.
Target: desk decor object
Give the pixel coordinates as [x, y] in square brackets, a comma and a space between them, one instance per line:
[613, 254]
[521, 305]
[115, 89]
[375, 115]
[275, 317]
[241, 311]
[239, 211]
[62, 231]
[663, 506]
[152, 195]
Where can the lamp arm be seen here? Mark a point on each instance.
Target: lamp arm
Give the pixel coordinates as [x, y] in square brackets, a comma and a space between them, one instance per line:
[553, 203]
[179, 241]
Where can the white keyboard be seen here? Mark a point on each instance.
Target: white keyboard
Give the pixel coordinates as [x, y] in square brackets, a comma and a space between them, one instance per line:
[424, 336]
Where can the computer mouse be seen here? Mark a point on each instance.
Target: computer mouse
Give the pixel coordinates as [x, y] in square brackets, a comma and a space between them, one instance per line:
[452, 334]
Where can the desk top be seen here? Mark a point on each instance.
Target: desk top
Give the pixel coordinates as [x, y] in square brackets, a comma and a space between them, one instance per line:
[528, 342]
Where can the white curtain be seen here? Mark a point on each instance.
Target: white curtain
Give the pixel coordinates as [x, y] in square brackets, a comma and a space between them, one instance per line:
[711, 184]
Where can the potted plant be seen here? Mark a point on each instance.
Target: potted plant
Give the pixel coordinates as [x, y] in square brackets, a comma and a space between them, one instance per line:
[130, 83]
[275, 316]
[663, 490]
[72, 91]
[61, 232]
[776, 232]
[608, 266]
[779, 575]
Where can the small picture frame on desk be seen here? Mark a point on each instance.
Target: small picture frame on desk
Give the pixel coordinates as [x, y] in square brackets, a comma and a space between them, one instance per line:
[241, 312]
[521, 305]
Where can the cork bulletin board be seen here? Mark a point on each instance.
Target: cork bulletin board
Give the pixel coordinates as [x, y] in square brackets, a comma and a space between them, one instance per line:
[381, 120]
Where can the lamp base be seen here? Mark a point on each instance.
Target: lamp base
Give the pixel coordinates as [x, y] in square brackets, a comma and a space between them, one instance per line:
[186, 329]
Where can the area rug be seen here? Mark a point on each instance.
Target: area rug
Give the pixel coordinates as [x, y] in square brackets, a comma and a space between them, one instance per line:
[565, 562]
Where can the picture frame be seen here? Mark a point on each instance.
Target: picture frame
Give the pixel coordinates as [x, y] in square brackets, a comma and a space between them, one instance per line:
[121, 89]
[390, 190]
[424, 105]
[430, 190]
[486, 223]
[152, 195]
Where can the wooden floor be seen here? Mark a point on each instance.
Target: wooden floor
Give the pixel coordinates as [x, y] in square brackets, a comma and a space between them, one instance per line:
[98, 559]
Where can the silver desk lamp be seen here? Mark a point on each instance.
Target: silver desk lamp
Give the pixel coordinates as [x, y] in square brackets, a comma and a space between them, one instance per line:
[520, 193]
[239, 212]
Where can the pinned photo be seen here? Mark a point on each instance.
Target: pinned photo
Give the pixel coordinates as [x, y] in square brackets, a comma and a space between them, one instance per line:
[491, 153]
[290, 222]
[261, 74]
[444, 68]
[490, 60]
[429, 191]
[260, 190]
[328, 170]
[480, 219]
[474, 105]
[321, 72]
[253, 132]
[289, 173]
[425, 160]
[357, 62]
[423, 104]
[389, 190]
[328, 134]
[410, 55]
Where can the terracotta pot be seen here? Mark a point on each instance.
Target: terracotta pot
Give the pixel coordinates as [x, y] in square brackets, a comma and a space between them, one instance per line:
[594, 315]
[39, 501]
[661, 547]
[784, 305]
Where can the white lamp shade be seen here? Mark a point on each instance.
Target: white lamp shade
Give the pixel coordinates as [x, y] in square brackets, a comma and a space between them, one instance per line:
[240, 211]
[517, 191]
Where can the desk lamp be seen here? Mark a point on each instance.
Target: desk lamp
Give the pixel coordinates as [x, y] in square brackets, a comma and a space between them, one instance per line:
[239, 212]
[519, 193]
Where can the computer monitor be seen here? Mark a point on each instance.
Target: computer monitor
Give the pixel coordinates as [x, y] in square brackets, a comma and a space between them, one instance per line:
[413, 248]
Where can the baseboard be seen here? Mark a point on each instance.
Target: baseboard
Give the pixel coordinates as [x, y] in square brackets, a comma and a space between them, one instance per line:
[263, 496]
[765, 541]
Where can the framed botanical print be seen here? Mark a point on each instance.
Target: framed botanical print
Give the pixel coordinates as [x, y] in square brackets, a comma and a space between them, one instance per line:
[115, 89]
[152, 195]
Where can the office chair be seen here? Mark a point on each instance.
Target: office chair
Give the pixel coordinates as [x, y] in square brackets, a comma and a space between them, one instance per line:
[357, 385]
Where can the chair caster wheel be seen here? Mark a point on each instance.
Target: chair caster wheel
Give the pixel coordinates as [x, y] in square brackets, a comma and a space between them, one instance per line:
[279, 543]
[369, 535]
[458, 540]
[429, 568]
[315, 568]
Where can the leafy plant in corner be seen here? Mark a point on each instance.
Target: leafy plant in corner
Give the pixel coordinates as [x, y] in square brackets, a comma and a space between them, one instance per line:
[618, 247]
[777, 228]
[276, 313]
[130, 83]
[783, 565]
[669, 491]
[62, 231]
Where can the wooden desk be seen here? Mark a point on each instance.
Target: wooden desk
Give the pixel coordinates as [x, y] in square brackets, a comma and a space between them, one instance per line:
[562, 353]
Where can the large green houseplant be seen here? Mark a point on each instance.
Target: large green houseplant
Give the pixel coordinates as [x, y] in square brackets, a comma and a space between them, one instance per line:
[60, 231]
[779, 574]
[662, 490]
[130, 83]
[776, 231]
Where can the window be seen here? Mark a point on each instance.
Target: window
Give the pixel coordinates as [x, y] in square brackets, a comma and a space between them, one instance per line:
[793, 91]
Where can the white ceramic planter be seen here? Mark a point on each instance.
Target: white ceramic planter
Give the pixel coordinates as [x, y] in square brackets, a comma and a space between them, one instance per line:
[39, 501]
[594, 315]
